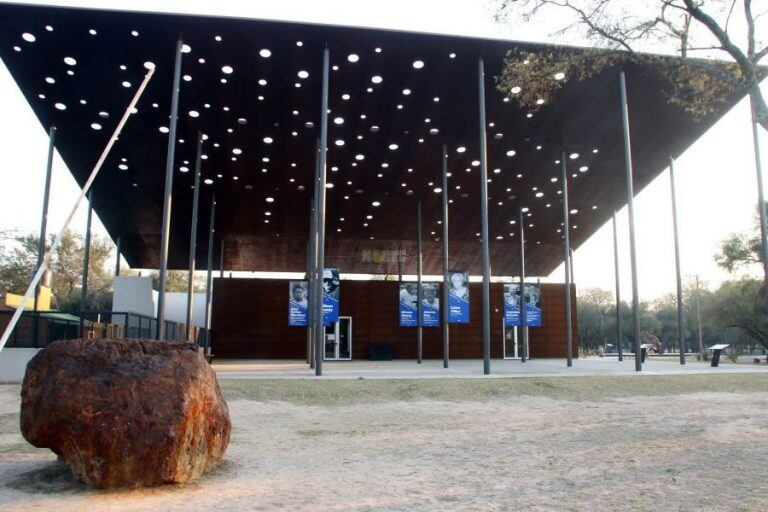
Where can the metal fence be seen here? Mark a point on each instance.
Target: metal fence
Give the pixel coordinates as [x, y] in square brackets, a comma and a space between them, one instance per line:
[40, 329]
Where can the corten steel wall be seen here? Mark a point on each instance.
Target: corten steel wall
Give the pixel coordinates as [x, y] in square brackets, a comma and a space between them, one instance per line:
[250, 320]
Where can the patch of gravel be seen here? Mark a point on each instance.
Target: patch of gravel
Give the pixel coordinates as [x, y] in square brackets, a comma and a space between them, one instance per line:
[702, 451]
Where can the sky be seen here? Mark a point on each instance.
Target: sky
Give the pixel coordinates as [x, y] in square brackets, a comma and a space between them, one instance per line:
[716, 180]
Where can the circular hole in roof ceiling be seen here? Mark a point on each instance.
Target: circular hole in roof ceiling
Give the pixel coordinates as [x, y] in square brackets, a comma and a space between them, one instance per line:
[194, 113]
[374, 128]
[49, 28]
[122, 167]
[92, 31]
[406, 92]
[303, 74]
[353, 57]
[338, 120]
[41, 96]
[515, 90]
[339, 142]
[96, 126]
[17, 48]
[309, 124]
[268, 140]
[559, 76]
[376, 79]
[262, 82]
[185, 48]
[237, 151]
[359, 157]
[299, 43]
[217, 38]
[329, 185]
[227, 70]
[574, 156]
[418, 64]
[452, 55]
[187, 78]
[393, 147]
[264, 52]
[242, 120]
[540, 101]
[435, 99]
[377, 50]
[30, 38]
[149, 65]
[70, 61]
[583, 168]
[50, 80]
[126, 84]
[511, 152]
[208, 181]
[461, 149]
[163, 129]
[60, 106]
[345, 97]
[434, 131]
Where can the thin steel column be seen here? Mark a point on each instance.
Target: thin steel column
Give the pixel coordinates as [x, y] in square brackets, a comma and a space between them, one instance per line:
[209, 279]
[618, 287]
[165, 233]
[631, 213]
[760, 195]
[399, 263]
[680, 325]
[573, 276]
[318, 332]
[310, 283]
[320, 185]
[118, 246]
[566, 259]
[193, 234]
[418, 283]
[523, 320]
[484, 220]
[86, 262]
[446, 326]
[221, 259]
[44, 216]
[86, 253]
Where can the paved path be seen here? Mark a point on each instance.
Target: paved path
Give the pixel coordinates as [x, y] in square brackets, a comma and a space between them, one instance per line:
[466, 368]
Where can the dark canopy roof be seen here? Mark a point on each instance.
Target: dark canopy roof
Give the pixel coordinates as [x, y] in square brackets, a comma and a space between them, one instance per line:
[253, 88]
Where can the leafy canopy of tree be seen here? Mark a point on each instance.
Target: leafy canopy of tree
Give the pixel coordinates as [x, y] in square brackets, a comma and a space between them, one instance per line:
[724, 29]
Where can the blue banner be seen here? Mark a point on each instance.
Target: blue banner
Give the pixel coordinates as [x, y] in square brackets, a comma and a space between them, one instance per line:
[407, 301]
[430, 305]
[330, 296]
[297, 303]
[532, 305]
[458, 297]
[512, 305]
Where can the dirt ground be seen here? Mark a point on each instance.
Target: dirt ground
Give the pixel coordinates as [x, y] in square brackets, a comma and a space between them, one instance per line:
[691, 451]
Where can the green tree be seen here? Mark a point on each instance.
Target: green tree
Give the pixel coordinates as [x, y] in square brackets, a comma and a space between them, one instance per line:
[689, 28]
[18, 263]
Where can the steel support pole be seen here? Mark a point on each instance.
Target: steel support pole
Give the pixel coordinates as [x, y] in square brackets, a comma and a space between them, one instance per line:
[209, 279]
[679, 280]
[44, 216]
[419, 297]
[317, 327]
[566, 259]
[221, 258]
[86, 261]
[484, 220]
[631, 213]
[310, 358]
[193, 234]
[168, 197]
[760, 196]
[320, 186]
[618, 287]
[446, 325]
[118, 248]
[523, 320]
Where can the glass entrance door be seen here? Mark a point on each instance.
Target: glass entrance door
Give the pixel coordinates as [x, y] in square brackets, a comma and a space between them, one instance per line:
[510, 342]
[338, 340]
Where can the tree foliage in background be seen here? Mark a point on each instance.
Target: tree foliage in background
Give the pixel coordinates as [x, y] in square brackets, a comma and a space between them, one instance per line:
[688, 28]
[18, 263]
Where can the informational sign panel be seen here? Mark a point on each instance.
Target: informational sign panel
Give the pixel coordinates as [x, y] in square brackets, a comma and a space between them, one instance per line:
[297, 303]
[512, 304]
[458, 297]
[408, 311]
[330, 296]
[430, 304]
[532, 305]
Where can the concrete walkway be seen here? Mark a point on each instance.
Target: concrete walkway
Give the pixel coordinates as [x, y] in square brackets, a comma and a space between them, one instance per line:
[466, 368]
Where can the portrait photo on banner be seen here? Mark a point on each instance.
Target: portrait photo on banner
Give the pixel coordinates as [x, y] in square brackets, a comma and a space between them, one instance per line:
[297, 303]
[458, 296]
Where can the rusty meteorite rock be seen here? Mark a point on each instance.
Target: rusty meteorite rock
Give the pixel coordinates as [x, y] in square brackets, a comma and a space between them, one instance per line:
[126, 413]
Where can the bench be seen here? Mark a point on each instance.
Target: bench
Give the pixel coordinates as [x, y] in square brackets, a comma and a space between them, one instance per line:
[381, 351]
